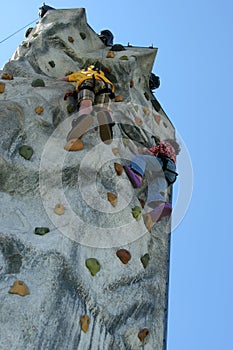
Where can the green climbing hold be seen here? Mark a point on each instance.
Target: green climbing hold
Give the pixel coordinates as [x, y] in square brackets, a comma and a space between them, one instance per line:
[135, 107]
[146, 96]
[93, 266]
[52, 64]
[137, 213]
[124, 58]
[145, 260]
[26, 152]
[83, 35]
[35, 35]
[71, 109]
[38, 83]
[41, 230]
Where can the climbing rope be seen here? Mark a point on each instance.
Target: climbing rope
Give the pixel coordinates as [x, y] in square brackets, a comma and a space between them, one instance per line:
[18, 30]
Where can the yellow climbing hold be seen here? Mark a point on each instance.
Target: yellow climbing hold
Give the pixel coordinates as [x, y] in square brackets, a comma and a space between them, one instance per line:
[118, 98]
[59, 209]
[115, 151]
[20, 288]
[157, 118]
[39, 109]
[110, 54]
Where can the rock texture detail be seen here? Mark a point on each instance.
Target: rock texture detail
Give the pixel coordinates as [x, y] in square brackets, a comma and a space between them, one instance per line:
[58, 230]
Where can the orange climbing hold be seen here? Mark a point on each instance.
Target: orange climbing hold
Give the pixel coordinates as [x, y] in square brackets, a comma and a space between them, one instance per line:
[118, 168]
[143, 334]
[20, 288]
[124, 255]
[112, 198]
[85, 321]
[74, 145]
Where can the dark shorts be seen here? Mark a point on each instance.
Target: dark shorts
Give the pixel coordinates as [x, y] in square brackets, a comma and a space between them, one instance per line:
[102, 99]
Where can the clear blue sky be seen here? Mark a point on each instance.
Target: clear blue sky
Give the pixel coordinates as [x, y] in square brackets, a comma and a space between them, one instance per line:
[194, 63]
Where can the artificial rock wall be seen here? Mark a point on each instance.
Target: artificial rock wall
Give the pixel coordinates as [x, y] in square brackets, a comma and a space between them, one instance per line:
[78, 270]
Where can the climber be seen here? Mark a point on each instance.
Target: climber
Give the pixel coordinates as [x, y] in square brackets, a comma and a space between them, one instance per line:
[93, 88]
[106, 36]
[44, 9]
[158, 164]
[154, 82]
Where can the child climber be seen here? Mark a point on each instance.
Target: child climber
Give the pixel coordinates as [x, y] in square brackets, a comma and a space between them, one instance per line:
[93, 88]
[158, 164]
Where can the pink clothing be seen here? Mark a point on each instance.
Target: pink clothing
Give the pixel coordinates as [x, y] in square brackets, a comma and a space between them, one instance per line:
[165, 149]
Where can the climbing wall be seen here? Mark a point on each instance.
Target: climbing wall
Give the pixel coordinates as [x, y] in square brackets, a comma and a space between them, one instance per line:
[79, 269]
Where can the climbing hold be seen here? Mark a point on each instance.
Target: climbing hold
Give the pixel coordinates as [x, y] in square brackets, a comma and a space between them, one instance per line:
[38, 83]
[83, 35]
[146, 111]
[137, 213]
[124, 58]
[70, 39]
[124, 255]
[52, 64]
[112, 198]
[117, 47]
[142, 202]
[59, 209]
[119, 168]
[138, 121]
[157, 118]
[110, 54]
[93, 266]
[39, 109]
[41, 230]
[71, 108]
[20, 288]
[85, 321]
[7, 76]
[136, 108]
[115, 151]
[74, 145]
[2, 87]
[146, 96]
[35, 35]
[26, 152]
[118, 98]
[143, 333]
[145, 260]
[131, 84]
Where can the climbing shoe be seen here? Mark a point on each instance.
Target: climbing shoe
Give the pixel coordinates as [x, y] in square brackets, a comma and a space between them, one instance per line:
[105, 126]
[80, 126]
[157, 214]
[135, 180]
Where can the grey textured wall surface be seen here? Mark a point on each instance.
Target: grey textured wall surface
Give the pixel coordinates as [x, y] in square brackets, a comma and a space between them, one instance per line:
[121, 299]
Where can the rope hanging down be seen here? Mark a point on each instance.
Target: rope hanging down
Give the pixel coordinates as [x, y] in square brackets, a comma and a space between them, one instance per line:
[18, 31]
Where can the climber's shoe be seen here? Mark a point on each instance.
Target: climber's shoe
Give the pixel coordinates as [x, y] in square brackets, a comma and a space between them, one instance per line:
[80, 126]
[105, 125]
[135, 180]
[74, 145]
[157, 214]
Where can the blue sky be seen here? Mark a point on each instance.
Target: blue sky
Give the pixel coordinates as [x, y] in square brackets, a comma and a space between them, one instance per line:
[194, 63]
